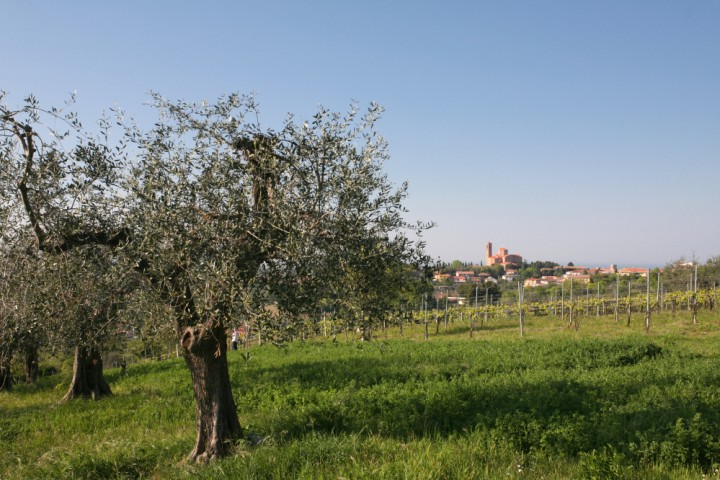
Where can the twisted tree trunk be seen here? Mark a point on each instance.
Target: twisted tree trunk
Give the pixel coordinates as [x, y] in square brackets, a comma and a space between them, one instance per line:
[88, 380]
[218, 427]
[204, 348]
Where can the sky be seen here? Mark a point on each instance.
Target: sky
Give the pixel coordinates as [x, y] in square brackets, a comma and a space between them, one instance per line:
[564, 130]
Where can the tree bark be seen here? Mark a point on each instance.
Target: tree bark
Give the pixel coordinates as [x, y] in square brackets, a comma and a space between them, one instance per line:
[88, 380]
[204, 347]
[31, 364]
[5, 377]
[218, 427]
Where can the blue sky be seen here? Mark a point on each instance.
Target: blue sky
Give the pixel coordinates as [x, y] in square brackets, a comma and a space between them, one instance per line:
[584, 131]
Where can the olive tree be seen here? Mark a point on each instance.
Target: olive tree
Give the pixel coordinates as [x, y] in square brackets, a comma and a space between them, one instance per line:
[58, 187]
[22, 330]
[63, 303]
[12, 319]
[228, 217]
[221, 217]
[86, 289]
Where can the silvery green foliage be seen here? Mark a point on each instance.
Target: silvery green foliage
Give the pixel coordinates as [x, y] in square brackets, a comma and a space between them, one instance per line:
[222, 216]
[57, 180]
[58, 204]
[235, 217]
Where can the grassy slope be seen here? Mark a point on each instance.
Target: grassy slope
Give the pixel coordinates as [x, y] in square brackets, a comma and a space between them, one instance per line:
[603, 401]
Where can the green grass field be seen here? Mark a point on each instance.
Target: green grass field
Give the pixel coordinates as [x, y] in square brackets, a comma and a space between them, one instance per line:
[605, 401]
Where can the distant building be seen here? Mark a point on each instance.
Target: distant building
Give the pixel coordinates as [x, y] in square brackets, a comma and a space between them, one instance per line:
[612, 269]
[624, 272]
[577, 273]
[510, 275]
[574, 268]
[502, 257]
[440, 277]
[543, 281]
[464, 273]
[481, 278]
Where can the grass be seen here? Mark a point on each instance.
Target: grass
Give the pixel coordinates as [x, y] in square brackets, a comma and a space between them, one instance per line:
[604, 401]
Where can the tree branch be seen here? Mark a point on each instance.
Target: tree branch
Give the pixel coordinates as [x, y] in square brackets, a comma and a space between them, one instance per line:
[89, 238]
[24, 134]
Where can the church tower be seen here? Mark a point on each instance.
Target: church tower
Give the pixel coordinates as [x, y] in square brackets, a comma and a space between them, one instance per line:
[488, 253]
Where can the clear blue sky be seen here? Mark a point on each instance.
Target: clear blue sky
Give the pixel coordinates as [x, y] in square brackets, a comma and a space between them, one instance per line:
[584, 131]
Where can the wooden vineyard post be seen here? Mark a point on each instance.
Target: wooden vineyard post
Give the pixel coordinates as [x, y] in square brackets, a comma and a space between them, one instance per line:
[647, 305]
[629, 304]
[471, 317]
[521, 293]
[447, 294]
[486, 306]
[694, 298]
[425, 321]
[572, 305]
[617, 298]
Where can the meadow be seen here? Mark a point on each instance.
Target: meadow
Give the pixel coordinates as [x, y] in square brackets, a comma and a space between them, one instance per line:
[603, 401]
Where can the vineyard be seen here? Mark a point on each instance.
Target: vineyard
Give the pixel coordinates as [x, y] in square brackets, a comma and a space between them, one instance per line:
[569, 308]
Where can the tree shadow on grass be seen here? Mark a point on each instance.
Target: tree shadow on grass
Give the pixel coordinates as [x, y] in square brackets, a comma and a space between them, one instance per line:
[551, 411]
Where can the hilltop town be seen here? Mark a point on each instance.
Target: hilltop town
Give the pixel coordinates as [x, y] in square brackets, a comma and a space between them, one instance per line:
[505, 266]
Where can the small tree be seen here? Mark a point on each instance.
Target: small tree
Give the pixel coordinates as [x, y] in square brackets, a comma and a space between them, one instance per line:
[23, 330]
[85, 296]
[57, 186]
[11, 315]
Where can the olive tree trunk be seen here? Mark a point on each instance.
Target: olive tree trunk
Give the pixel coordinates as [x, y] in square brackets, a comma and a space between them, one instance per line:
[218, 427]
[87, 380]
[5, 378]
[31, 364]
